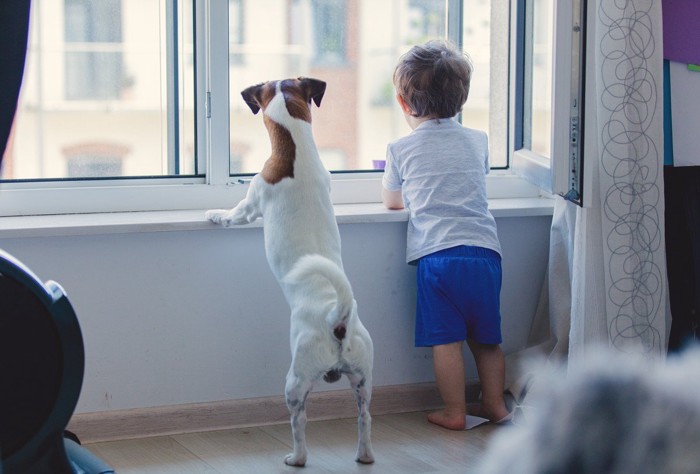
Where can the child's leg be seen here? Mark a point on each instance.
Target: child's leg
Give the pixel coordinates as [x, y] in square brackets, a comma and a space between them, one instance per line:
[491, 367]
[448, 362]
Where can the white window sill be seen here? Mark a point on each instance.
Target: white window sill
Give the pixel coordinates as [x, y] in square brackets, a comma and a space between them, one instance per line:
[185, 220]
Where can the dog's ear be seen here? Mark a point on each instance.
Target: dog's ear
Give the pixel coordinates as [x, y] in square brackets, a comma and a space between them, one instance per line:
[314, 89]
[251, 96]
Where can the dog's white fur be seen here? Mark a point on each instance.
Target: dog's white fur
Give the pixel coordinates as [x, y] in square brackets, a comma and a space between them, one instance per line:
[610, 414]
[302, 243]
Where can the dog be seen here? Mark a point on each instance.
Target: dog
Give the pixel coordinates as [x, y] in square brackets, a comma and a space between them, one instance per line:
[302, 244]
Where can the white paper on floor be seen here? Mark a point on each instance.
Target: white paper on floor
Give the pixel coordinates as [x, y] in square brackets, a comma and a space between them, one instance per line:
[474, 421]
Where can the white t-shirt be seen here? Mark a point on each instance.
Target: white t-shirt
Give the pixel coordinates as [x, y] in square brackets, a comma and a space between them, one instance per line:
[440, 169]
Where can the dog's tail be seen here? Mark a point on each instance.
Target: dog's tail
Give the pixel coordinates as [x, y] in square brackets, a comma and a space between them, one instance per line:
[314, 264]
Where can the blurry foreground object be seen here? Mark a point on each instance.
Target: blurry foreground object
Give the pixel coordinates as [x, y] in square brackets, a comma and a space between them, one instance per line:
[609, 415]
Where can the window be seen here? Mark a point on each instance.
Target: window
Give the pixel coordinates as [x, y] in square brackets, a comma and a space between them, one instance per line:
[94, 160]
[330, 26]
[162, 79]
[93, 58]
[426, 20]
[236, 32]
[354, 47]
[485, 36]
[547, 87]
[537, 77]
[100, 74]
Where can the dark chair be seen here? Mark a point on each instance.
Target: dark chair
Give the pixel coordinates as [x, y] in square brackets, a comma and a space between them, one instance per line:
[41, 373]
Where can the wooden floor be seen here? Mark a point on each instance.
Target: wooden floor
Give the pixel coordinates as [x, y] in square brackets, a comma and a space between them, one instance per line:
[403, 443]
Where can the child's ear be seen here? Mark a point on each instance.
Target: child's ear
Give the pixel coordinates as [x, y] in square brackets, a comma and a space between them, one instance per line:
[404, 106]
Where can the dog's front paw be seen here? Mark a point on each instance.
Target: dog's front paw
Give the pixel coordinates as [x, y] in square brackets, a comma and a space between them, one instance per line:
[216, 215]
[293, 460]
[228, 218]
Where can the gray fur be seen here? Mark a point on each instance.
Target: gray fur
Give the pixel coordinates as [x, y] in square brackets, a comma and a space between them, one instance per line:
[611, 415]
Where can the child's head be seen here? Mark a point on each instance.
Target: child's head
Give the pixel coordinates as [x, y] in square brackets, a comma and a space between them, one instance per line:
[433, 79]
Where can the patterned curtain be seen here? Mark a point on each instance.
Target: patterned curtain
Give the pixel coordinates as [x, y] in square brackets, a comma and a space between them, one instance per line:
[607, 279]
[628, 60]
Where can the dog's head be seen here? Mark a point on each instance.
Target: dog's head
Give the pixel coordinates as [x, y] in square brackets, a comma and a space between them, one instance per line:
[298, 94]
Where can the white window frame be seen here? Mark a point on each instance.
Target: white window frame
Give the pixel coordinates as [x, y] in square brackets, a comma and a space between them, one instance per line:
[216, 189]
[562, 172]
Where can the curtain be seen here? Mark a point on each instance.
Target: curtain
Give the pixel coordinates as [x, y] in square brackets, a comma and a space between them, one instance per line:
[629, 129]
[607, 281]
[14, 29]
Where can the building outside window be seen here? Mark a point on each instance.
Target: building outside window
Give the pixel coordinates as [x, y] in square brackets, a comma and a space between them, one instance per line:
[94, 160]
[329, 19]
[93, 57]
[137, 73]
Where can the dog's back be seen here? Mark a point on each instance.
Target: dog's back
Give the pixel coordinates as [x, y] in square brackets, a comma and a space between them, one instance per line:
[297, 195]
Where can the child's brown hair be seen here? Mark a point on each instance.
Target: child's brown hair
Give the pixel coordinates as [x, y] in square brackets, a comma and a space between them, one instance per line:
[433, 79]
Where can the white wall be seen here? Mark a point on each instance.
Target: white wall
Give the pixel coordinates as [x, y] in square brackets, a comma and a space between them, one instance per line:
[196, 316]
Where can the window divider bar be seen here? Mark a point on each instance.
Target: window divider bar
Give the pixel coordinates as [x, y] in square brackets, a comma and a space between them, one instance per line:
[173, 87]
[201, 86]
[517, 86]
[455, 15]
[217, 86]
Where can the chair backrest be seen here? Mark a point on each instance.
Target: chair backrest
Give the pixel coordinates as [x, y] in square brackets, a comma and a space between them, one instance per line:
[41, 370]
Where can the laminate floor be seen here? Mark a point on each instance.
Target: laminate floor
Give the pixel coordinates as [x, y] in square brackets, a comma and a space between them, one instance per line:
[403, 443]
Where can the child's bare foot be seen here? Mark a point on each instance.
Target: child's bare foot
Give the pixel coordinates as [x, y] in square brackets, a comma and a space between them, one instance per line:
[448, 420]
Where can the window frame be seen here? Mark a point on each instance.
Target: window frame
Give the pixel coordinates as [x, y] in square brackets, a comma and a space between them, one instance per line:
[562, 172]
[215, 187]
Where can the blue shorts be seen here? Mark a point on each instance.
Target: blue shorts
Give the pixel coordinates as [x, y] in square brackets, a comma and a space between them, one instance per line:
[459, 297]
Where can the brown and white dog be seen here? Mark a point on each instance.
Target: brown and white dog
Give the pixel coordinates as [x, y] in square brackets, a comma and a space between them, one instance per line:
[302, 244]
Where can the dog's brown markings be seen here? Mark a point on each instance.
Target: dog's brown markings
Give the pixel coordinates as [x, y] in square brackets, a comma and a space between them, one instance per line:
[258, 96]
[268, 93]
[280, 165]
[298, 94]
[294, 99]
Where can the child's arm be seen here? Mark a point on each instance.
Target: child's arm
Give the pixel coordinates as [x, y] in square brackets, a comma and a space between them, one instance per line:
[392, 199]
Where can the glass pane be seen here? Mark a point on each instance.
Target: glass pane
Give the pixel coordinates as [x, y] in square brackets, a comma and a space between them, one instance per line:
[94, 100]
[486, 109]
[539, 22]
[354, 47]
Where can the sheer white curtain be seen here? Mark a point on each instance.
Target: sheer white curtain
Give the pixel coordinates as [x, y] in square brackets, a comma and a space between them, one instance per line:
[607, 271]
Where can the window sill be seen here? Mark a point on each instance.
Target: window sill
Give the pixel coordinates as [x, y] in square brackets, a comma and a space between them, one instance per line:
[186, 220]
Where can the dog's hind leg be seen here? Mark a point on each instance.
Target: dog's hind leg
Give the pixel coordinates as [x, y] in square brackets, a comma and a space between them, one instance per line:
[296, 391]
[362, 387]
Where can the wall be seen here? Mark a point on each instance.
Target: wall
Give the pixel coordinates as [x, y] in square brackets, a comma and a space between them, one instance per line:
[196, 316]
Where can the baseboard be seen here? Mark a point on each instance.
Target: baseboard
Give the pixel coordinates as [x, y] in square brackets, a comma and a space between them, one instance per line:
[177, 419]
